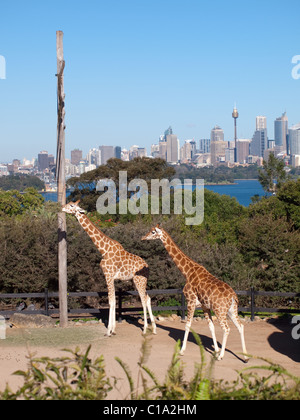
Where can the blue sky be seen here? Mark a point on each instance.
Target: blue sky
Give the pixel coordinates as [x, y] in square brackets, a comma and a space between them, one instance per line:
[134, 67]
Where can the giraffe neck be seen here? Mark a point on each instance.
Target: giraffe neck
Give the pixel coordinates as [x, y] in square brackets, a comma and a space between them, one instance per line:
[182, 261]
[102, 242]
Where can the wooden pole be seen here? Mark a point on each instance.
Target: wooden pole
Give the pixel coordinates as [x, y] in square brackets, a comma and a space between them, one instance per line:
[61, 183]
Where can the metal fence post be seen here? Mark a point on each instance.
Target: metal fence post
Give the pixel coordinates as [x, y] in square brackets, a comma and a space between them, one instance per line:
[252, 303]
[46, 302]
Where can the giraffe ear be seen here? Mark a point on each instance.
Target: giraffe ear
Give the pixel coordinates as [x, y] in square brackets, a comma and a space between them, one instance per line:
[158, 225]
[77, 202]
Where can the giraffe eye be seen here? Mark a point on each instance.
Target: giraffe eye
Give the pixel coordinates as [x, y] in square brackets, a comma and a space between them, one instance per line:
[153, 232]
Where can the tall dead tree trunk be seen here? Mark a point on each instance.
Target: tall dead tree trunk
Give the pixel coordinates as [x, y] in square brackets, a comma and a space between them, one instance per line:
[61, 183]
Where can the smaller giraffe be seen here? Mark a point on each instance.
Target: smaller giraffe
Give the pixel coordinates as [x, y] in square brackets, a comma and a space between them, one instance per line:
[117, 264]
[205, 290]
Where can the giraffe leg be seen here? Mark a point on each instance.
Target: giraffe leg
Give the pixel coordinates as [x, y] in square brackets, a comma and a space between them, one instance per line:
[140, 284]
[191, 305]
[208, 318]
[234, 316]
[151, 314]
[112, 308]
[226, 331]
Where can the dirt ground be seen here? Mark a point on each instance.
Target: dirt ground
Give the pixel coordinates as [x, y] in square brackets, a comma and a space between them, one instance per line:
[268, 339]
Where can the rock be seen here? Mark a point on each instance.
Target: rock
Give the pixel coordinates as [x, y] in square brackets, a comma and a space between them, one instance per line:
[31, 321]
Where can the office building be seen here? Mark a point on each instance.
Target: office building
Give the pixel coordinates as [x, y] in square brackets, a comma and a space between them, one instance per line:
[107, 152]
[172, 148]
[294, 140]
[204, 146]
[281, 132]
[217, 145]
[162, 148]
[76, 156]
[217, 134]
[242, 150]
[259, 143]
[217, 151]
[261, 123]
[118, 152]
[188, 150]
[43, 161]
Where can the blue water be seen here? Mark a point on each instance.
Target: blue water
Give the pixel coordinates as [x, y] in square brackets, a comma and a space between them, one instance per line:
[242, 190]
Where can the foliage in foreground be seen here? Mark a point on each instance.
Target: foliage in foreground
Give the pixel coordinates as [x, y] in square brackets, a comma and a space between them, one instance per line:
[78, 377]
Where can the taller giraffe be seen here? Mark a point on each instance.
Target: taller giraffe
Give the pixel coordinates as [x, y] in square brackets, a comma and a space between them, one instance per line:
[117, 264]
[205, 290]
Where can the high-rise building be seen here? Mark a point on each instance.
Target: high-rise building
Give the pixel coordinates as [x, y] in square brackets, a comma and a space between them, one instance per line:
[217, 134]
[281, 132]
[188, 150]
[217, 145]
[259, 143]
[107, 152]
[162, 148]
[118, 152]
[294, 140]
[242, 150]
[217, 151]
[76, 156]
[43, 161]
[204, 146]
[261, 123]
[172, 148]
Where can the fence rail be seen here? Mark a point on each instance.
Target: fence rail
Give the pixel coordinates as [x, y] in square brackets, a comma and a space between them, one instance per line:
[120, 294]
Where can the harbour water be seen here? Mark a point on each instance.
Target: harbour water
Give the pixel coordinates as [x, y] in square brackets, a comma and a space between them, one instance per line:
[242, 190]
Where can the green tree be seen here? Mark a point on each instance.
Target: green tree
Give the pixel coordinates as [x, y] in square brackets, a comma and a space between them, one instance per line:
[13, 203]
[138, 168]
[273, 174]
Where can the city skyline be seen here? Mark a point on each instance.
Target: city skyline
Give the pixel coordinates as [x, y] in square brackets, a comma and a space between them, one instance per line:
[128, 76]
[216, 135]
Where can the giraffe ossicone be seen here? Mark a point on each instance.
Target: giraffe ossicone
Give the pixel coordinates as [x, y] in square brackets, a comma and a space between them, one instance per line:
[205, 290]
[117, 264]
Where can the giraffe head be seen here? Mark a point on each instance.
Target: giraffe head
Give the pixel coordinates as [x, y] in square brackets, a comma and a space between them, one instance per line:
[73, 208]
[155, 233]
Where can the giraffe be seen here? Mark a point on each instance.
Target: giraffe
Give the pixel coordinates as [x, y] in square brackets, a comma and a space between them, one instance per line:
[205, 290]
[116, 264]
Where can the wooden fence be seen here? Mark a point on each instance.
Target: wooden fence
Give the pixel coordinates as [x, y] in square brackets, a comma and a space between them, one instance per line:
[46, 295]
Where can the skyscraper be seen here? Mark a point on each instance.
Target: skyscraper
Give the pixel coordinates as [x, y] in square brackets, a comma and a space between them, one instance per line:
[259, 143]
[281, 132]
[43, 161]
[242, 150]
[172, 148]
[294, 140]
[261, 123]
[204, 146]
[217, 145]
[76, 156]
[217, 134]
[107, 152]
